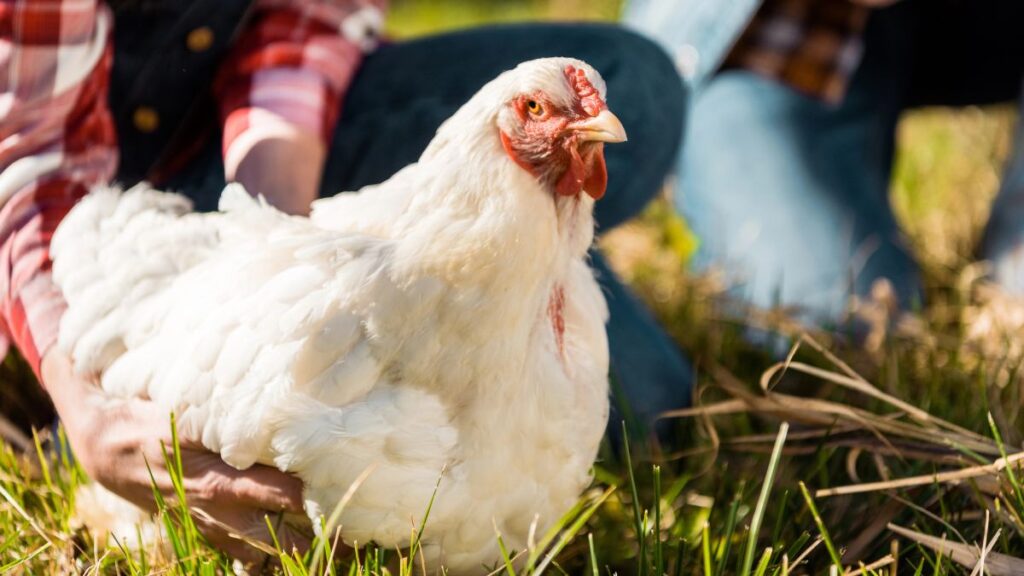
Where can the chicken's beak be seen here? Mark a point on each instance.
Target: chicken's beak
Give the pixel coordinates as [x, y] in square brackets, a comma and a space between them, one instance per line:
[605, 127]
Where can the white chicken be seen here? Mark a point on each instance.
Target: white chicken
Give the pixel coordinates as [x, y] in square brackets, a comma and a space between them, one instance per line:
[445, 320]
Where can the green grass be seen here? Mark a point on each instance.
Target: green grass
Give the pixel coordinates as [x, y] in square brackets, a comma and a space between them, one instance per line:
[411, 18]
[744, 488]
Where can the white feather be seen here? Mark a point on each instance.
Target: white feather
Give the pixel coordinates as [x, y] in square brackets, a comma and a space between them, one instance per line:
[404, 327]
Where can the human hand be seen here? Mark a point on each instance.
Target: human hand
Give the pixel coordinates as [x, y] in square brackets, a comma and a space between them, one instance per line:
[113, 439]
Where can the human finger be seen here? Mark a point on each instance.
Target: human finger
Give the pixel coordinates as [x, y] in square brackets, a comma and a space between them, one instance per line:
[259, 486]
[242, 533]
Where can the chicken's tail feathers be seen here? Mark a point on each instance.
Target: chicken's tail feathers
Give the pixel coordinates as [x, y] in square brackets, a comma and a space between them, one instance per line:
[115, 248]
[110, 206]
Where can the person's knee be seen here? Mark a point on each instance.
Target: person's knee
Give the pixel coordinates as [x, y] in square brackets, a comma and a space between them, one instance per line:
[647, 93]
[648, 73]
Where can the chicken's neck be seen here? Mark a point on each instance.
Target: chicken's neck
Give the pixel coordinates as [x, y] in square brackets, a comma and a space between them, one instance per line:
[480, 220]
[504, 247]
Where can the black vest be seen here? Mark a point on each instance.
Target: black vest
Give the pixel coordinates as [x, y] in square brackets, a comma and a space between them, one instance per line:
[166, 53]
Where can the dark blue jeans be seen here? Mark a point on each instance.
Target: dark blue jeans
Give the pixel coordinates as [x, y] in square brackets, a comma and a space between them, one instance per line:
[404, 91]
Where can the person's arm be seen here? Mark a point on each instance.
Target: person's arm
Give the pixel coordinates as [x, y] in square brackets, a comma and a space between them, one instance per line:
[57, 140]
[280, 91]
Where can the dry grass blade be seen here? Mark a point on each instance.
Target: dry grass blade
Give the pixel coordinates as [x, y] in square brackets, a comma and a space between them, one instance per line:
[996, 564]
[924, 511]
[234, 533]
[817, 435]
[869, 568]
[986, 547]
[806, 410]
[940, 441]
[771, 378]
[925, 479]
[332, 521]
[810, 440]
[331, 524]
[835, 360]
[827, 413]
[807, 552]
[864, 387]
[718, 408]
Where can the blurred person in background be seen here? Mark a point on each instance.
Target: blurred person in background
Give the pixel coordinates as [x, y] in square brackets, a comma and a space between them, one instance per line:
[189, 95]
[789, 142]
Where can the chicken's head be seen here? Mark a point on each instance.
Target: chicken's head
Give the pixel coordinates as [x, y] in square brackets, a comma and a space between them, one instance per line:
[555, 125]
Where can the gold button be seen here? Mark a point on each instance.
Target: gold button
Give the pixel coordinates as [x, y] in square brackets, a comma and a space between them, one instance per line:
[145, 119]
[200, 39]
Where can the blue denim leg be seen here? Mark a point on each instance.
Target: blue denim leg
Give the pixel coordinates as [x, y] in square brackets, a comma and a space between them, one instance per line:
[404, 91]
[788, 195]
[1003, 245]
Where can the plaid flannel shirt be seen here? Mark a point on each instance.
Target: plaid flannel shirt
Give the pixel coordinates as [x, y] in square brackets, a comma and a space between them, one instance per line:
[813, 46]
[284, 77]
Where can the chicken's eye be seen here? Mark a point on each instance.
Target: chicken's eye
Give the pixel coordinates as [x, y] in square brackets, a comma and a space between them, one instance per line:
[534, 107]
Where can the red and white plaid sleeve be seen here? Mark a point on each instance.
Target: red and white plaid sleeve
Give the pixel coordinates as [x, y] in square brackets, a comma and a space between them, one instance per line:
[57, 139]
[286, 75]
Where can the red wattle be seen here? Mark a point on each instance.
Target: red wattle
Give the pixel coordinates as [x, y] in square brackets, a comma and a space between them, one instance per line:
[587, 174]
[582, 173]
[596, 183]
[571, 183]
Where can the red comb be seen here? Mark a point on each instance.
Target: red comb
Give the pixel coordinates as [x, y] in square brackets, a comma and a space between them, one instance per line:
[590, 98]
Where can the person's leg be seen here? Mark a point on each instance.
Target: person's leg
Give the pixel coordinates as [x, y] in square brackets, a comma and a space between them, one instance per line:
[404, 91]
[788, 194]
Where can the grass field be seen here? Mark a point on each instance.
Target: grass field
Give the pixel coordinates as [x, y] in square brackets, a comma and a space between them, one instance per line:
[924, 417]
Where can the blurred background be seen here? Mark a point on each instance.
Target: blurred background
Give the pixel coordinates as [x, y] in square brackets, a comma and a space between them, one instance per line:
[947, 169]
[410, 18]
